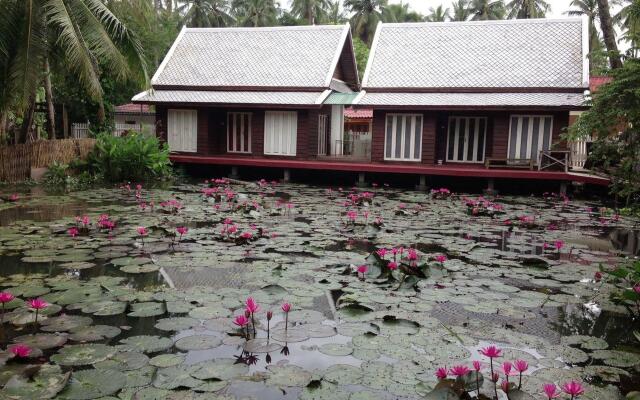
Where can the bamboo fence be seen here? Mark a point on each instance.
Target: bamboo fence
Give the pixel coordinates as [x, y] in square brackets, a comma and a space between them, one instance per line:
[16, 161]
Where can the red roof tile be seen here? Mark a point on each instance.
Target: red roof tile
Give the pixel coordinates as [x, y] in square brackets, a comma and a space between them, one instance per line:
[596, 81]
[358, 113]
[131, 108]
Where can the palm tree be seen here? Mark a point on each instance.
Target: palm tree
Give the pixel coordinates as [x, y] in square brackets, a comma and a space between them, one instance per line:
[523, 9]
[205, 13]
[400, 13]
[311, 10]
[629, 19]
[366, 15]
[255, 12]
[83, 35]
[590, 9]
[482, 10]
[608, 33]
[335, 13]
[460, 10]
[438, 14]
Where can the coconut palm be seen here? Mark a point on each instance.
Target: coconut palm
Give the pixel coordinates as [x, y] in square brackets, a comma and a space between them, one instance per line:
[205, 13]
[335, 13]
[523, 9]
[629, 19]
[366, 15]
[400, 13]
[460, 10]
[438, 14]
[255, 12]
[82, 35]
[608, 34]
[482, 10]
[311, 10]
[590, 9]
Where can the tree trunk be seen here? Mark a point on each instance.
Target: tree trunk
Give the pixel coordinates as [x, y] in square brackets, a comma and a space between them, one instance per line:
[3, 127]
[27, 122]
[157, 4]
[51, 112]
[170, 5]
[101, 112]
[609, 35]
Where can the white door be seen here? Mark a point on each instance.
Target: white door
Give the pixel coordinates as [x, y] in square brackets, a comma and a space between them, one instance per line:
[528, 135]
[403, 137]
[182, 130]
[466, 139]
[238, 132]
[280, 131]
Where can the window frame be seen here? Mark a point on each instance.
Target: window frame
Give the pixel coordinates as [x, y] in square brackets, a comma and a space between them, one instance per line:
[475, 152]
[396, 117]
[194, 140]
[293, 142]
[529, 137]
[234, 114]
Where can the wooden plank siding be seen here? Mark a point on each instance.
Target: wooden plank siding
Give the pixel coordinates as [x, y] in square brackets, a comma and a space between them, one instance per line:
[435, 125]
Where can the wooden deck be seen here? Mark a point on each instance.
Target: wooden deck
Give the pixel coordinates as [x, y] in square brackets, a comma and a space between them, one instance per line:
[456, 170]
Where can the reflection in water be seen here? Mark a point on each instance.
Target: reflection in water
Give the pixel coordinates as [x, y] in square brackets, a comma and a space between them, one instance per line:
[627, 240]
[578, 319]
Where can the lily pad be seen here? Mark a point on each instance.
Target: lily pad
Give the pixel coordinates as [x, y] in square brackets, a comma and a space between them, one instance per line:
[65, 323]
[93, 333]
[167, 360]
[198, 342]
[147, 309]
[221, 368]
[287, 376]
[42, 341]
[83, 354]
[147, 344]
[47, 381]
[176, 323]
[261, 346]
[92, 384]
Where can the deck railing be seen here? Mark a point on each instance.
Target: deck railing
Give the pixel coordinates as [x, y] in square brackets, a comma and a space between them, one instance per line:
[579, 152]
[81, 130]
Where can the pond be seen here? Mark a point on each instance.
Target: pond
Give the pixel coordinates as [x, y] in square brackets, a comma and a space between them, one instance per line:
[146, 291]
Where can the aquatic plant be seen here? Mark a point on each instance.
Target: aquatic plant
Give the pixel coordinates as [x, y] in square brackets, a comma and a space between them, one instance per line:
[492, 352]
[242, 321]
[37, 305]
[573, 389]
[5, 297]
[551, 391]
[20, 350]
[286, 307]
[440, 194]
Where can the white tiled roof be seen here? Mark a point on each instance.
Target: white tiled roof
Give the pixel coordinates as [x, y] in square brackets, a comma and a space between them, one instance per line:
[298, 56]
[473, 99]
[479, 54]
[230, 97]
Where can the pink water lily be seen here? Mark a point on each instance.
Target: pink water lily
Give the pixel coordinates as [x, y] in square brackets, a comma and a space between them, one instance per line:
[459, 370]
[441, 373]
[37, 304]
[392, 265]
[381, 252]
[142, 231]
[551, 391]
[441, 258]
[6, 297]
[573, 389]
[636, 288]
[241, 320]
[14, 197]
[520, 366]
[286, 307]
[477, 365]
[491, 351]
[20, 350]
[73, 231]
[362, 269]
[182, 230]
[506, 368]
[559, 244]
[251, 305]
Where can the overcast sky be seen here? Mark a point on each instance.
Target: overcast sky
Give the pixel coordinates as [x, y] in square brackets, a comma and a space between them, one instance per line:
[558, 7]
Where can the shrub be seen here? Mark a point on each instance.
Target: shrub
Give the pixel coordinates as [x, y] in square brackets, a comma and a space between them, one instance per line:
[129, 158]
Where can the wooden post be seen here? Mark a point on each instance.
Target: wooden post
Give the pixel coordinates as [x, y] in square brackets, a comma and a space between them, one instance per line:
[422, 186]
[361, 180]
[234, 173]
[65, 122]
[563, 188]
[287, 176]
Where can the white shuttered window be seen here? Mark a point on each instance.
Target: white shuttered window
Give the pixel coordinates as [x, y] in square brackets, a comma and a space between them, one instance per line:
[182, 130]
[238, 132]
[466, 139]
[403, 137]
[280, 131]
[528, 135]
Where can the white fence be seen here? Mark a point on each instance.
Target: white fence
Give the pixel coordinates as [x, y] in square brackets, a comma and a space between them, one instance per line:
[81, 130]
[579, 154]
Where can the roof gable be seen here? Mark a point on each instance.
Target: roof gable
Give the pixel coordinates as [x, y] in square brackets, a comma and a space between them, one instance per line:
[542, 53]
[274, 57]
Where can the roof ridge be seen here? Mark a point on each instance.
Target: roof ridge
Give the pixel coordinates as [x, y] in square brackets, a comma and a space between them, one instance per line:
[269, 28]
[486, 22]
